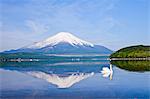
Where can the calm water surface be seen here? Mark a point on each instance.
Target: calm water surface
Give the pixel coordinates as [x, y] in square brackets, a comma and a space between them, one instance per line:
[71, 79]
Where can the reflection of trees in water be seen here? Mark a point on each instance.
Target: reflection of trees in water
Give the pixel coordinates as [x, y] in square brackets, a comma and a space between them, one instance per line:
[133, 65]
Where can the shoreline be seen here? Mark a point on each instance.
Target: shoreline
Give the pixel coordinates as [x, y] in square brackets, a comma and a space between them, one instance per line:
[122, 59]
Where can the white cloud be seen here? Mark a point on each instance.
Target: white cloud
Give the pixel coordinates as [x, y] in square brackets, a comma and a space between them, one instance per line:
[78, 16]
[36, 27]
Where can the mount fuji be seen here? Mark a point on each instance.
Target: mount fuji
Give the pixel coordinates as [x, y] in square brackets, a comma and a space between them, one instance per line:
[63, 43]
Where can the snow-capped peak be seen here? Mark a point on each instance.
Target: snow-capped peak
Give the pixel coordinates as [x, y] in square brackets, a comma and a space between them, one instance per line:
[61, 37]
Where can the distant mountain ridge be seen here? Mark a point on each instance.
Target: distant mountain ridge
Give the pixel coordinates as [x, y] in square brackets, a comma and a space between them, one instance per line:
[63, 43]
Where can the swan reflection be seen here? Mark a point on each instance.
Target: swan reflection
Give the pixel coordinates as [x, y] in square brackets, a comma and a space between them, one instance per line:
[59, 81]
[107, 72]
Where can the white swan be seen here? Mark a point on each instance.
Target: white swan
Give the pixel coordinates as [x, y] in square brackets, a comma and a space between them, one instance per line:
[106, 72]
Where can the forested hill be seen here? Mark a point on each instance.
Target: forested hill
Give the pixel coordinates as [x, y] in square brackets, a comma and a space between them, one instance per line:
[139, 51]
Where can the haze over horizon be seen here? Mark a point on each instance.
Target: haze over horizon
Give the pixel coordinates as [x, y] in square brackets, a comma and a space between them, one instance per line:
[111, 23]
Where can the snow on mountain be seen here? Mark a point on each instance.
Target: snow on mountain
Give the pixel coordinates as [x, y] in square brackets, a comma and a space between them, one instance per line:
[63, 43]
[64, 37]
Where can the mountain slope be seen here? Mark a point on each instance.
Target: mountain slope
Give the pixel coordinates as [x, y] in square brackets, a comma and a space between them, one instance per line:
[63, 43]
[59, 38]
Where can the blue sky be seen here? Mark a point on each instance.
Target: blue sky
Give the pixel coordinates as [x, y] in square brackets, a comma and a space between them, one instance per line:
[111, 23]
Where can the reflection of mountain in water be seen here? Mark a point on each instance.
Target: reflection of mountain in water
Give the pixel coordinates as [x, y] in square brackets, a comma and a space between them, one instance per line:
[60, 81]
[65, 68]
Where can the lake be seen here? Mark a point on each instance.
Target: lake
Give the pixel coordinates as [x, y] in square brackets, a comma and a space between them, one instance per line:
[71, 77]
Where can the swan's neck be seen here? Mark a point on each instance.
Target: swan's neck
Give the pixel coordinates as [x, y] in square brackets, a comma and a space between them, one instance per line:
[111, 67]
[111, 74]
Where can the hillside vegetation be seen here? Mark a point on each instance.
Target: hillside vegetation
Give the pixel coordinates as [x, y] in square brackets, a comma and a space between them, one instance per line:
[139, 51]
